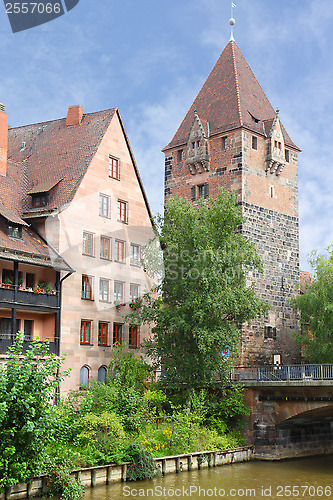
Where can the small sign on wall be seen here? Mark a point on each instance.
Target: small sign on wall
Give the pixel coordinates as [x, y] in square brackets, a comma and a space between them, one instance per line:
[277, 359]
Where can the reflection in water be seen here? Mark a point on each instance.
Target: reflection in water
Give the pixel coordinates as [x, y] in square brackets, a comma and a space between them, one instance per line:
[310, 478]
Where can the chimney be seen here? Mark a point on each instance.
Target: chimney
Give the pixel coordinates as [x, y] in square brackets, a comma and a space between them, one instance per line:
[74, 115]
[3, 140]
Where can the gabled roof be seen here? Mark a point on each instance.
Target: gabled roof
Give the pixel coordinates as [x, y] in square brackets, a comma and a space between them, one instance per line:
[230, 98]
[56, 157]
[12, 187]
[51, 158]
[31, 248]
[54, 152]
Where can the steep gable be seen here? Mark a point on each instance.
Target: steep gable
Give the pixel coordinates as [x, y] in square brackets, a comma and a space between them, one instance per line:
[55, 156]
[230, 98]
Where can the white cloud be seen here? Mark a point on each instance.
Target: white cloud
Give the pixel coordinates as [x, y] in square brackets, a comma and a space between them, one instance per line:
[151, 130]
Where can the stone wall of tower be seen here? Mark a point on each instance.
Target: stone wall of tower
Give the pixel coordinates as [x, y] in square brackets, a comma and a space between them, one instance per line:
[270, 205]
[276, 238]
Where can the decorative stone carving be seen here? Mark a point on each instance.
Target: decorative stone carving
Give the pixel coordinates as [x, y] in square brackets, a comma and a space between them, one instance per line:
[275, 157]
[197, 147]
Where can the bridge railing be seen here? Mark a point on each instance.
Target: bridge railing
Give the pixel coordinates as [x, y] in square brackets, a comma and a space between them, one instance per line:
[280, 373]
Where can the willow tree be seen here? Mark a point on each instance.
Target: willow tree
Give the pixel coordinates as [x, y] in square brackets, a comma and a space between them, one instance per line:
[204, 295]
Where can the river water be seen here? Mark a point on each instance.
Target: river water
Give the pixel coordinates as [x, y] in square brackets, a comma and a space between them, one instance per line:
[310, 478]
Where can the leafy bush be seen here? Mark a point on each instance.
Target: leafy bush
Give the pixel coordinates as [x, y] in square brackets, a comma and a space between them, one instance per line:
[143, 465]
[122, 399]
[60, 482]
[28, 382]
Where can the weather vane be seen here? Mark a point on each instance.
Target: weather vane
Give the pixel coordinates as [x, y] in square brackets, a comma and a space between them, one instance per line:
[232, 21]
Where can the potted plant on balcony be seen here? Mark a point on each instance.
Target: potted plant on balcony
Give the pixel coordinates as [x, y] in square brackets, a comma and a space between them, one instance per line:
[49, 289]
[20, 283]
[8, 282]
[41, 287]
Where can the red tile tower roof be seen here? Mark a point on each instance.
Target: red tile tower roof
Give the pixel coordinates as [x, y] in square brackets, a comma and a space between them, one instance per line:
[230, 98]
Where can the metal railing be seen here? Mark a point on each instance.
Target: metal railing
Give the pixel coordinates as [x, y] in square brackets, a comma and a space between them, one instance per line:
[280, 373]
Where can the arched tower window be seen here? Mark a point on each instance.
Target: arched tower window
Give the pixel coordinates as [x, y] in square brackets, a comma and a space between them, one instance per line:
[102, 371]
[84, 375]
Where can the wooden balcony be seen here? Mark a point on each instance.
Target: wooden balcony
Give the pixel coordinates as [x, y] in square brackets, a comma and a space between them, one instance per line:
[30, 300]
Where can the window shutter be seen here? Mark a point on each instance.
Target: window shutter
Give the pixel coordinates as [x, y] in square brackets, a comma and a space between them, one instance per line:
[206, 190]
[193, 193]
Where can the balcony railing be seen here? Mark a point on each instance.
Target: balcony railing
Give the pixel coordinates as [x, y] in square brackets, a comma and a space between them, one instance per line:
[6, 341]
[280, 373]
[29, 298]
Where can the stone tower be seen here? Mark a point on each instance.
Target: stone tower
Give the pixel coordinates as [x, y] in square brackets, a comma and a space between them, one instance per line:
[232, 137]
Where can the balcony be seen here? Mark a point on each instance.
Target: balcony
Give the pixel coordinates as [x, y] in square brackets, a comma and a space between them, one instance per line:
[30, 299]
[6, 341]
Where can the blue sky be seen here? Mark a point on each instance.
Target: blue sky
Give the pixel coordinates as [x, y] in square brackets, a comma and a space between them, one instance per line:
[150, 59]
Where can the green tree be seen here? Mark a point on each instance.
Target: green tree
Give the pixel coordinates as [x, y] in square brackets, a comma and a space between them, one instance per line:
[315, 308]
[204, 295]
[28, 382]
[131, 371]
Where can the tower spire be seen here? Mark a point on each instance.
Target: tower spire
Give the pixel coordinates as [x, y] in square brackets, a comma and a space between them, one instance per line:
[232, 21]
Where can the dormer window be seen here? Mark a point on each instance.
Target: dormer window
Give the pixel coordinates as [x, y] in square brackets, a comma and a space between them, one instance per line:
[41, 192]
[15, 231]
[39, 201]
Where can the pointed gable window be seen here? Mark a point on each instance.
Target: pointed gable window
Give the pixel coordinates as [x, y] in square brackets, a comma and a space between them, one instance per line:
[114, 168]
[277, 156]
[197, 146]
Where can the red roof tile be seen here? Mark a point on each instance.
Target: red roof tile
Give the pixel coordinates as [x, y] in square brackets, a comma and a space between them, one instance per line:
[230, 98]
[31, 249]
[47, 157]
[53, 152]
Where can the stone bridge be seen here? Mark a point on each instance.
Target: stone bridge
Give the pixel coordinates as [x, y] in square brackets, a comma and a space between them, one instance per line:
[291, 409]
